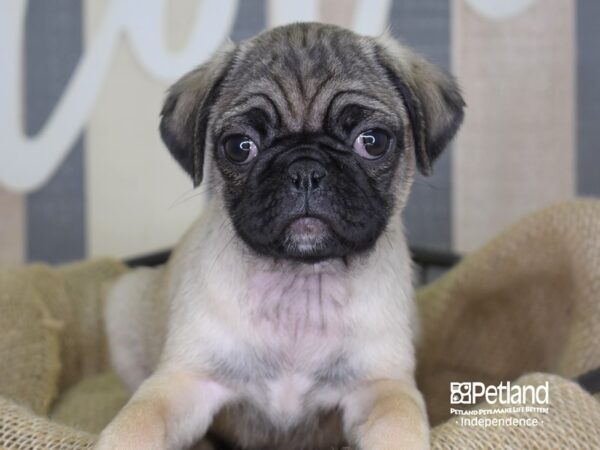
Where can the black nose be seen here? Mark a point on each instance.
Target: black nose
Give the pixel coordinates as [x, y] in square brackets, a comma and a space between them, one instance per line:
[306, 174]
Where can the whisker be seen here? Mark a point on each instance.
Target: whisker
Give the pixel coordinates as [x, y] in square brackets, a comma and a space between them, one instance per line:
[181, 196]
[182, 199]
[219, 254]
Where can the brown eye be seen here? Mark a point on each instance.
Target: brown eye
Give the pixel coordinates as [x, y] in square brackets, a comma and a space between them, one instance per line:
[371, 144]
[239, 149]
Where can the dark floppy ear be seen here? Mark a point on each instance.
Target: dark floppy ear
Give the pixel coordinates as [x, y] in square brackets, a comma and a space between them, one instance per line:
[186, 111]
[431, 97]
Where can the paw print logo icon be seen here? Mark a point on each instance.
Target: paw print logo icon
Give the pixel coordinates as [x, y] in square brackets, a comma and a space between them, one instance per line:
[460, 393]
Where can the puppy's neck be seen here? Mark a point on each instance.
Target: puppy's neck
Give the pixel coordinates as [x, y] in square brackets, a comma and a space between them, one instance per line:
[286, 299]
[296, 299]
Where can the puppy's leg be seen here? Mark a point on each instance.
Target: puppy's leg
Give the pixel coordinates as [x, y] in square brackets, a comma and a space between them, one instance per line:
[169, 411]
[386, 415]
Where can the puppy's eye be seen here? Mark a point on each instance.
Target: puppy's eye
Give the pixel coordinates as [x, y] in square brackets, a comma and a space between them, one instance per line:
[239, 149]
[371, 144]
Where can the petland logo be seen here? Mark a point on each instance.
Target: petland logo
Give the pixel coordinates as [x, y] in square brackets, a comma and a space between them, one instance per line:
[504, 393]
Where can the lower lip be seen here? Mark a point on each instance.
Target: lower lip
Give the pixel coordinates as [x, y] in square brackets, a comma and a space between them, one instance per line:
[308, 226]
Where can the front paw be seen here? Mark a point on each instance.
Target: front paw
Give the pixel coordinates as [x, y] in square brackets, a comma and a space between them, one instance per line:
[130, 439]
[388, 433]
[112, 443]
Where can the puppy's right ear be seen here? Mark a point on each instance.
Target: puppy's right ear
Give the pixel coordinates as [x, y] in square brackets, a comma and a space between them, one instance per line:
[186, 111]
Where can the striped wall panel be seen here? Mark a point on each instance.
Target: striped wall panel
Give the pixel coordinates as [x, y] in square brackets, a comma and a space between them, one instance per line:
[55, 228]
[588, 97]
[516, 150]
[425, 26]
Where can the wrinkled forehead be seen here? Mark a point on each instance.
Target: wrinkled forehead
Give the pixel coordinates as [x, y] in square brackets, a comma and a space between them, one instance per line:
[303, 79]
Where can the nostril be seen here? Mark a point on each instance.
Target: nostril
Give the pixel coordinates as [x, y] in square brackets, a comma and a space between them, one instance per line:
[315, 178]
[316, 175]
[306, 174]
[295, 177]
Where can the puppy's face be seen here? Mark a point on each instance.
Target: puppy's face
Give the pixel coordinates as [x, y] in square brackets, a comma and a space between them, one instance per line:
[314, 132]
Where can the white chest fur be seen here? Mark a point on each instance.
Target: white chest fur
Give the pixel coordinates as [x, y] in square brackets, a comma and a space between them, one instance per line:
[295, 319]
[298, 303]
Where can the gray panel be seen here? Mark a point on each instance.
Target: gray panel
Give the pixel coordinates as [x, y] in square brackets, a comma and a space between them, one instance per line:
[424, 25]
[588, 97]
[56, 212]
[251, 19]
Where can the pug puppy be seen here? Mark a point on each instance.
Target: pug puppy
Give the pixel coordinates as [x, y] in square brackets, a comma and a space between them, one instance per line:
[285, 316]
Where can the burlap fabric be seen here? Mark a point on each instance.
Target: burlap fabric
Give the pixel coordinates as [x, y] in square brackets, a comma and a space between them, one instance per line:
[525, 307]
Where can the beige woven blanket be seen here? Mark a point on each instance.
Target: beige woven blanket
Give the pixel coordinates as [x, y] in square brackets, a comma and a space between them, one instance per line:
[525, 308]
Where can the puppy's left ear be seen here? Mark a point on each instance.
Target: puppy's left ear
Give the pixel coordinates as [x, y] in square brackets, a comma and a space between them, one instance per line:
[186, 112]
[431, 97]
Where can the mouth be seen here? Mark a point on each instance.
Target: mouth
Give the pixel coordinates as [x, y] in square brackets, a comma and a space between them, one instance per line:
[306, 234]
[327, 229]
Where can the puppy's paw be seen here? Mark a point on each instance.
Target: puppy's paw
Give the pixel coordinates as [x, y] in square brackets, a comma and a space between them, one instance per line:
[387, 415]
[111, 442]
[131, 435]
[388, 434]
[126, 442]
